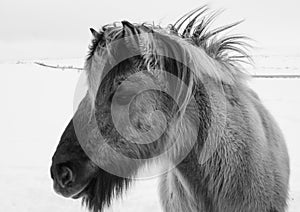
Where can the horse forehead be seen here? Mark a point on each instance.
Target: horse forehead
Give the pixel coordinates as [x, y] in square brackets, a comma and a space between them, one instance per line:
[68, 148]
[69, 131]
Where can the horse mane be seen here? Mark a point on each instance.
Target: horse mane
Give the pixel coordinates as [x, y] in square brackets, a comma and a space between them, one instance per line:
[230, 49]
[194, 28]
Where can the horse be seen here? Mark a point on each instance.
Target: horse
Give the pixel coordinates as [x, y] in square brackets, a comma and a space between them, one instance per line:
[175, 96]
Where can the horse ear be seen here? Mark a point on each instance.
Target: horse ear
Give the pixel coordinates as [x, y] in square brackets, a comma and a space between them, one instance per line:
[130, 33]
[94, 33]
[129, 28]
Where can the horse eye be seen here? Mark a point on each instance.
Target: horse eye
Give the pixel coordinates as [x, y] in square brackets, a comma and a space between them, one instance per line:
[124, 98]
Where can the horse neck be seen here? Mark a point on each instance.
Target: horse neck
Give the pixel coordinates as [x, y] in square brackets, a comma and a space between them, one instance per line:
[185, 185]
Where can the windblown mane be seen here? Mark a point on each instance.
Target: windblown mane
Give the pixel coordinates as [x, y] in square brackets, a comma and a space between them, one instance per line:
[195, 28]
[215, 56]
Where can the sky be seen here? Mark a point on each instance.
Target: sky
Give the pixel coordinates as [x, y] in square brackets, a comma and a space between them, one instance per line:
[60, 27]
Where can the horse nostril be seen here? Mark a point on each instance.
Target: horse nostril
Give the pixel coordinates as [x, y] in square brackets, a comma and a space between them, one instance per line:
[65, 176]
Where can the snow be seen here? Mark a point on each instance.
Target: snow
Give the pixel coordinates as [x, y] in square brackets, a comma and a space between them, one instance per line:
[37, 104]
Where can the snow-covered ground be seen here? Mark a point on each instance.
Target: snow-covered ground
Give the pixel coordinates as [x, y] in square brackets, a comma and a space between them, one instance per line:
[37, 103]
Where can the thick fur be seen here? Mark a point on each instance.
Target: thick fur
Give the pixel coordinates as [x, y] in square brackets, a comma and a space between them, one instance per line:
[239, 162]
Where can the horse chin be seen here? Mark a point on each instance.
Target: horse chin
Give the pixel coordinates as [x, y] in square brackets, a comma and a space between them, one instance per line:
[70, 192]
[81, 193]
[86, 190]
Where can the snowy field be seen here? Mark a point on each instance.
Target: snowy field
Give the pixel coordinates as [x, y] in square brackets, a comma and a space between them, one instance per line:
[37, 103]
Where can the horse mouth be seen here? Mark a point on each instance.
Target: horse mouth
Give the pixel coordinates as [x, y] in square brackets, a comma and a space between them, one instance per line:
[82, 192]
